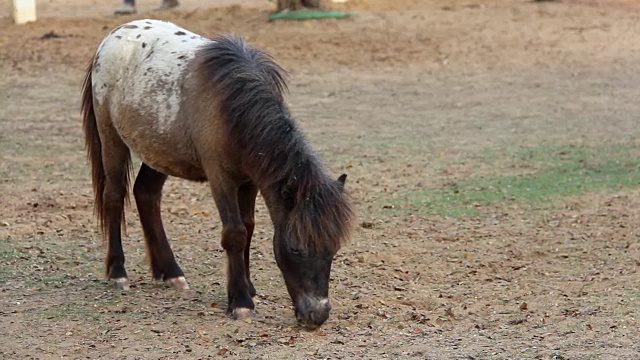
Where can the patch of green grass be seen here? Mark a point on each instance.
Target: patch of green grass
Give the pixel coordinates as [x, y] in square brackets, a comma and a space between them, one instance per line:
[44, 282]
[17, 261]
[309, 14]
[7, 256]
[563, 171]
[7, 251]
[71, 312]
[53, 279]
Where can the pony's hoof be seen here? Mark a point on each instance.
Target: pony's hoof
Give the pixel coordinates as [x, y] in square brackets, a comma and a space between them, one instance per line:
[179, 283]
[241, 313]
[121, 283]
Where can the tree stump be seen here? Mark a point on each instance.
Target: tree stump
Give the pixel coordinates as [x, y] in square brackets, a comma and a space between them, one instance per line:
[297, 4]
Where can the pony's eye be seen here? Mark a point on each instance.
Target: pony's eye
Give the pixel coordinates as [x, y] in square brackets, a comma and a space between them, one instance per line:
[295, 251]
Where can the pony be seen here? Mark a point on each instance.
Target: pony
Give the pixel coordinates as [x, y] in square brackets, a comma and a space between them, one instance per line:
[210, 109]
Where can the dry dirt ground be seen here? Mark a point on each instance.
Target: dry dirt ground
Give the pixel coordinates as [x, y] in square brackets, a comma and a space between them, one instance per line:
[411, 98]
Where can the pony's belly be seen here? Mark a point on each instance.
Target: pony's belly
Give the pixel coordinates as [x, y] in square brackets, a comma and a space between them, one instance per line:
[173, 159]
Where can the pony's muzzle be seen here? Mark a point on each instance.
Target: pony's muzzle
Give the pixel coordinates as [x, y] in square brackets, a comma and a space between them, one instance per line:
[312, 312]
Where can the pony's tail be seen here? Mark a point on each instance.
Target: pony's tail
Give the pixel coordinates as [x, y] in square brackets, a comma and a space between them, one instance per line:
[94, 148]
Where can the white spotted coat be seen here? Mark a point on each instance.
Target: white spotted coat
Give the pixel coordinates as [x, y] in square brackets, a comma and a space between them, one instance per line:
[140, 65]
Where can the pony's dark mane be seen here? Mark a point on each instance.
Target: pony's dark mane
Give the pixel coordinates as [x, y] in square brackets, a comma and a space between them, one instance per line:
[249, 88]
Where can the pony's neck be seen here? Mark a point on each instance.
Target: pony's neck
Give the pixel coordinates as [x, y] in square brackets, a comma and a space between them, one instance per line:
[283, 161]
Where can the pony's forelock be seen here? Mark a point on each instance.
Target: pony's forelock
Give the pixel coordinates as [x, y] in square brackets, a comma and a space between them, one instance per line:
[321, 220]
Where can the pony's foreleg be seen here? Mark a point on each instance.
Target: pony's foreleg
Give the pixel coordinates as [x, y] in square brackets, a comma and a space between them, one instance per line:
[116, 162]
[247, 203]
[147, 191]
[234, 240]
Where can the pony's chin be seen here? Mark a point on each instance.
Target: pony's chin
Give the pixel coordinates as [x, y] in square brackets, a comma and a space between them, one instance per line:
[309, 326]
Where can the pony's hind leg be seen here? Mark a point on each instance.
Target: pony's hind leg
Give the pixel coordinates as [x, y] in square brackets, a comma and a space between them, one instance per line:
[247, 203]
[116, 162]
[147, 191]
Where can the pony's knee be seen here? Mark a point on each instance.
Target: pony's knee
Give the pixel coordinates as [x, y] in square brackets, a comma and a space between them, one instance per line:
[234, 238]
[249, 224]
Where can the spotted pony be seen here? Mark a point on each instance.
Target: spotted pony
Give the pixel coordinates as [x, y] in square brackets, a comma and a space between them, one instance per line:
[210, 110]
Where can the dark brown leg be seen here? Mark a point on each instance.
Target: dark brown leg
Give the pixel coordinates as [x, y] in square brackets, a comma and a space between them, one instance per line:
[127, 7]
[247, 203]
[234, 239]
[114, 195]
[148, 194]
[116, 168]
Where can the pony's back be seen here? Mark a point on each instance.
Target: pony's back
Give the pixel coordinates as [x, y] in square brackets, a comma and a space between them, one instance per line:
[140, 65]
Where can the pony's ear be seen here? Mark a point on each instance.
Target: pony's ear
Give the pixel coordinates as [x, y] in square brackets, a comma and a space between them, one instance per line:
[341, 180]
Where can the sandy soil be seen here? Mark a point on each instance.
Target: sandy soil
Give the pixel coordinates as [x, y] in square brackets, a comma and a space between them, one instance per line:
[408, 95]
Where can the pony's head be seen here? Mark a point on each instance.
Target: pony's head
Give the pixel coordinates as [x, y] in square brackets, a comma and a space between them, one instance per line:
[313, 224]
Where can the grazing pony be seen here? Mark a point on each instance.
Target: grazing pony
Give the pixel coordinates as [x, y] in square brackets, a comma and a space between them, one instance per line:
[210, 110]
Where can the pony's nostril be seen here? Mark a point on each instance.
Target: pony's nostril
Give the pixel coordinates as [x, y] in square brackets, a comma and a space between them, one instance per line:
[318, 317]
[327, 307]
